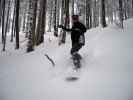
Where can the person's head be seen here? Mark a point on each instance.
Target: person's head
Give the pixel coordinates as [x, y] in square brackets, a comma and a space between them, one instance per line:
[75, 18]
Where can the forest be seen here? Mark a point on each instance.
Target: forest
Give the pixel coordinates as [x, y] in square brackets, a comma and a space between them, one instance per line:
[35, 18]
[40, 61]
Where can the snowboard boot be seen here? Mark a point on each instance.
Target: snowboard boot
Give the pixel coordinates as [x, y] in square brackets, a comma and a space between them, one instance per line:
[76, 60]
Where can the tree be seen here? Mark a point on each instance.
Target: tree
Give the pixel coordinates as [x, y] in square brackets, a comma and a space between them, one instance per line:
[72, 12]
[132, 8]
[5, 27]
[3, 21]
[55, 19]
[0, 11]
[32, 23]
[17, 2]
[41, 22]
[121, 13]
[88, 14]
[50, 10]
[65, 5]
[103, 19]
[13, 24]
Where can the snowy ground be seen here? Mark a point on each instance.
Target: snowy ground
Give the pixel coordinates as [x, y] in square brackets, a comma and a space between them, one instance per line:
[106, 73]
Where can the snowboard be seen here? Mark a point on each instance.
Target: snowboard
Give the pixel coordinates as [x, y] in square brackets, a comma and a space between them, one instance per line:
[73, 75]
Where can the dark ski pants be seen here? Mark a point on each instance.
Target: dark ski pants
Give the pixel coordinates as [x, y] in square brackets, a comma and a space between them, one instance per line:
[75, 48]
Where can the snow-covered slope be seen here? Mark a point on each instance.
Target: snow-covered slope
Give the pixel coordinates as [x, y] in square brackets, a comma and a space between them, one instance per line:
[106, 73]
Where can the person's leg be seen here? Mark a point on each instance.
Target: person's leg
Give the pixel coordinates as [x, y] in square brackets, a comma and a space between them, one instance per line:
[75, 49]
[75, 56]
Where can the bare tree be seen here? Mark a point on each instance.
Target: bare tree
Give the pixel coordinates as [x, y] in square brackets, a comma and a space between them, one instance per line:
[121, 13]
[6, 24]
[66, 21]
[13, 24]
[50, 9]
[55, 19]
[41, 22]
[3, 20]
[0, 10]
[88, 14]
[32, 23]
[17, 23]
[103, 20]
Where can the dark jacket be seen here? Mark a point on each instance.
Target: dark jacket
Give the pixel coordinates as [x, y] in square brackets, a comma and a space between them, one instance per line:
[77, 30]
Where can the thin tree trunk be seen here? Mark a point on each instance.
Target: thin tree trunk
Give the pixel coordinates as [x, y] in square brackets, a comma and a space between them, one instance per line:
[17, 24]
[34, 21]
[103, 20]
[62, 12]
[3, 20]
[55, 19]
[125, 9]
[5, 33]
[27, 20]
[72, 7]
[50, 16]
[32, 17]
[24, 19]
[66, 23]
[58, 14]
[94, 14]
[88, 14]
[13, 25]
[38, 28]
[41, 22]
[132, 8]
[121, 13]
[1, 1]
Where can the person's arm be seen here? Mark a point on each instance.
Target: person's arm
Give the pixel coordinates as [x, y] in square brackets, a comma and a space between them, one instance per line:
[83, 28]
[64, 28]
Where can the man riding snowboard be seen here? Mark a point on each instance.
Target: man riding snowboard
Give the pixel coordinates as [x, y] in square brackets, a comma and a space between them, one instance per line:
[77, 36]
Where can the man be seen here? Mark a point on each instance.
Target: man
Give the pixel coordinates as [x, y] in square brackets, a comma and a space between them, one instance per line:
[77, 35]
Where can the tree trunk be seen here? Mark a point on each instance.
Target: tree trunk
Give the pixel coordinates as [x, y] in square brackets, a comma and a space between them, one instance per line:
[32, 17]
[121, 13]
[3, 20]
[0, 10]
[13, 24]
[24, 17]
[17, 24]
[41, 22]
[55, 19]
[88, 14]
[6, 26]
[66, 23]
[132, 8]
[72, 7]
[103, 20]
[50, 16]
[58, 15]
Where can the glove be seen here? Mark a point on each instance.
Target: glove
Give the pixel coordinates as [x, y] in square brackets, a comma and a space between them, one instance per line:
[82, 40]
